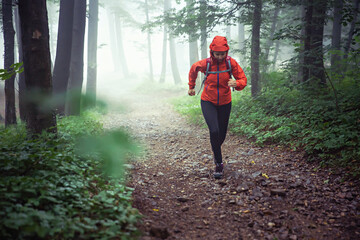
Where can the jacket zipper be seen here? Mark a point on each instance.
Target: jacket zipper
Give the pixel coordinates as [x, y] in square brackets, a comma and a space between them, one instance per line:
[218, 82]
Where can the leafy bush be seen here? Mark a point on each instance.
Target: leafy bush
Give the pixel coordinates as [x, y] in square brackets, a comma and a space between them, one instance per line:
[50, 191]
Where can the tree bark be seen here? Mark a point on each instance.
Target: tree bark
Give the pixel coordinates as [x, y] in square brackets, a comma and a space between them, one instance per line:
[22, 90]
[300, 76]
[63, 52]
[255, 48]
[149, 42]
[308, 59]
[37, 64]
[313, 45]
[9, 44]
[92, 53]
[318, 70]
[120, 46]
[77, 59]
[336, 37]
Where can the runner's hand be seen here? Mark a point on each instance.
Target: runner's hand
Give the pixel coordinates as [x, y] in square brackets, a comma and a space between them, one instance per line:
[191, 92]
[232, 83]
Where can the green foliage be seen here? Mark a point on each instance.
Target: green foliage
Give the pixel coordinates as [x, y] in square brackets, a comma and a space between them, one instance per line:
[50, 190]
[190, 106]
[14, 68]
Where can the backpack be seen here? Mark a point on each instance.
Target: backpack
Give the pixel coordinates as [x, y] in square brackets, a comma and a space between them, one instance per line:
[208, 65]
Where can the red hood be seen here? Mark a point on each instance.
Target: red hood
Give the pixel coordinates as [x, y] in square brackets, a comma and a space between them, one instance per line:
[219, 44]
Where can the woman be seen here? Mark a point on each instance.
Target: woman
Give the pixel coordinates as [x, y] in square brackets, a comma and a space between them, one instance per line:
[216, 96]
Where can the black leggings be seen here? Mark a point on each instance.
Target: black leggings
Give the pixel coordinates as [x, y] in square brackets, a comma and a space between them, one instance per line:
[217, 119]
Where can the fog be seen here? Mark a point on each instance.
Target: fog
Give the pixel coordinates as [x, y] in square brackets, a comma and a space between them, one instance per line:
[110, 78]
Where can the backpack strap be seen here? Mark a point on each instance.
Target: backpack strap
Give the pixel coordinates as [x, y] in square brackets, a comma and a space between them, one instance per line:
[207, 72]
[228, 63]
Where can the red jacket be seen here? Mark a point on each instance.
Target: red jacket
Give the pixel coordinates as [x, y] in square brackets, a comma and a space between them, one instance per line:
[216, 89]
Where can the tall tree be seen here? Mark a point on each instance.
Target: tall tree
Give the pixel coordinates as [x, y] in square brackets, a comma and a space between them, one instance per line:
[120, 44]
[63, 52]
[203, 29]
[193, 43]
[112, 32]
[241, 37]
[149, 41]
[77, 58]
[336, 36]
[9, 42]
[313, 47]
[92, 53]
[164, 47]
[22, 86]
[255, 48]
[37, 64]
[270, 40]
[174, 67]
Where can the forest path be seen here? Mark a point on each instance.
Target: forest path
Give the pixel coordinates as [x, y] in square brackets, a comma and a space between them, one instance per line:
[266, 193]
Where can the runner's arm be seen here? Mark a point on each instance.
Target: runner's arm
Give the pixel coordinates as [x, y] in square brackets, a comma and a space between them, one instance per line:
[193, 73]
[239, 75]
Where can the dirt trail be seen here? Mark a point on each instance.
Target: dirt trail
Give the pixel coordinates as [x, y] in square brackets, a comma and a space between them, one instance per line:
[267, 193]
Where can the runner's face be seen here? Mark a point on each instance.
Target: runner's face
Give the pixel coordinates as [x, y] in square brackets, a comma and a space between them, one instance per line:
[220, 56]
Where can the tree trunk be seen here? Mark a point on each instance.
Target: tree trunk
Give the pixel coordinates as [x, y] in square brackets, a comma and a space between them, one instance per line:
[149, 41]
[300, 76]
[37, 64]
[308, 59]
[228, 33]
[77, 59]
[174, 67]
[164, 52]
[352, 28]
[313, 43]
[203, 26]
[92, 53]
[241, 33]
[318, 70]
[113, 45]
[22, 90]
[270, 40]
[193, 46]
[9, 44]
[255, 48]
[120, 45]
[276, 53]
[336, 37]
[63, 53]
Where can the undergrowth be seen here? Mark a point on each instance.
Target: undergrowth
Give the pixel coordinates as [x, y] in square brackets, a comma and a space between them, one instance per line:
[56, 188]
[306, 120]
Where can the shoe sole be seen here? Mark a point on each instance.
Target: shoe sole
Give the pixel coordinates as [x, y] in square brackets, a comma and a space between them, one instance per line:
[218, 175]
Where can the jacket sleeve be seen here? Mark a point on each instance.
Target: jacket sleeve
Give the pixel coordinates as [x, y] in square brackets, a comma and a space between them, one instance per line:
[195, 68]
[239, 75]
